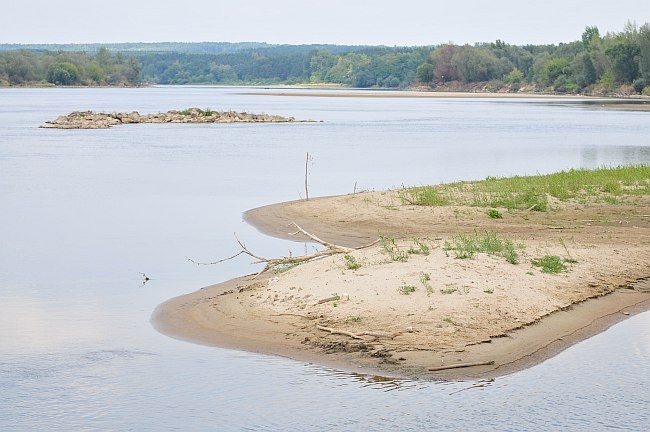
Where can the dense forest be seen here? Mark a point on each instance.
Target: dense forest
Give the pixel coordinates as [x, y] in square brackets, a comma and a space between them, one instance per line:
[69, 68]
[595, 64]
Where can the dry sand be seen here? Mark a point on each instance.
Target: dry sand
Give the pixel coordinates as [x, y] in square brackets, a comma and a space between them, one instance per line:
[470, 310]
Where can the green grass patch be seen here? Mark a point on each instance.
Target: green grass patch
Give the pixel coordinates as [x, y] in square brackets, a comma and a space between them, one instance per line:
[423, 196]
[449, 289]
[549, 264]
[350, 262]
[533, 192]
[407, 289]
[494, 214]
[468, 245]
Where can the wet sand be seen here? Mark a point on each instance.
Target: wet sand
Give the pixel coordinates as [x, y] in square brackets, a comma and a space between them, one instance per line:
[468, 311]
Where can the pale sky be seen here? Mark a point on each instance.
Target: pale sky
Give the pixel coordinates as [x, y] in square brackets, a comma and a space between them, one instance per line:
[362, 22]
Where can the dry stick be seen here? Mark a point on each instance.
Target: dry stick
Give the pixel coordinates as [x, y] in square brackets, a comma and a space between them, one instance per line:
[341, 332]
[461, 365]
[269, 263]
[215, 262]
[328, 299]
[306, 185]
[358, 335]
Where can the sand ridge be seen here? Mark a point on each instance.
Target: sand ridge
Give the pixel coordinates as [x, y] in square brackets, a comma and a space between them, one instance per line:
[401, 318]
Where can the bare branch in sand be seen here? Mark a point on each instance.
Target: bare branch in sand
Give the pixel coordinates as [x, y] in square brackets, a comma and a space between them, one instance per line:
[376, 335]
[461, 365]
[271, 263]
[341, 332]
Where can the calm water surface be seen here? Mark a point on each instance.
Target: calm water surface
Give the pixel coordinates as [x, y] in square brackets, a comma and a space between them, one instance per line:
[83, 213]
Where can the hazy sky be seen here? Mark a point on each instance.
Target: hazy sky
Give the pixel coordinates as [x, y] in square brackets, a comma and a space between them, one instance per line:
[373, 22]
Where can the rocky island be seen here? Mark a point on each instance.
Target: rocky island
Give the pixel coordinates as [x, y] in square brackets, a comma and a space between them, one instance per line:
[93, 120]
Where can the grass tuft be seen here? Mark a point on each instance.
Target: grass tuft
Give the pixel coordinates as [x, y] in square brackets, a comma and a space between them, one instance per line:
[494, 214]
[350, 262]
[549, 264]
[407, 289]
[394, 252]
[468, 245]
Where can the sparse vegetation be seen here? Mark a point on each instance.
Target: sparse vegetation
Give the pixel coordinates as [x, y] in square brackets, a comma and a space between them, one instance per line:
[468, 245]
[570, 259]
[281, 268]
[407, 289]
[451, 321]
[419, 247]
[350, 262]
[389, 245]
[449, 289]
[549, 264]
[425, 280]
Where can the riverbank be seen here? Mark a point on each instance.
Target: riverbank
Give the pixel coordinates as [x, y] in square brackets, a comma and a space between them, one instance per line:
[403, 317]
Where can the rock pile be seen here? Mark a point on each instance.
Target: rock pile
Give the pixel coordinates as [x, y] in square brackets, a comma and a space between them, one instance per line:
[92, 120]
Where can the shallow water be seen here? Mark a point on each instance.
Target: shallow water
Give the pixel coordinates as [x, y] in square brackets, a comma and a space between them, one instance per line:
[85, 212]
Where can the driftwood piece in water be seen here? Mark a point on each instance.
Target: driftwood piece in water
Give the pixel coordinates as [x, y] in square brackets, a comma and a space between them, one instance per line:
[461, 365]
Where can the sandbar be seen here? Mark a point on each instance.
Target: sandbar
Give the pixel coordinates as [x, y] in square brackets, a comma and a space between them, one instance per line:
[478, 310]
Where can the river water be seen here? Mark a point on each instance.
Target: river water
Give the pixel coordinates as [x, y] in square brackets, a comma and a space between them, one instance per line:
[85, 212]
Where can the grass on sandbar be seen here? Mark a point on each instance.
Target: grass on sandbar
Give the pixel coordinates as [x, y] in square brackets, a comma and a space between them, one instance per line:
[532, 192]
[467, 245]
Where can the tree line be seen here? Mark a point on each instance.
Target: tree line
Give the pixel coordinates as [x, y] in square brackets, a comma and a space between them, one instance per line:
[595, 63]
[69, 68]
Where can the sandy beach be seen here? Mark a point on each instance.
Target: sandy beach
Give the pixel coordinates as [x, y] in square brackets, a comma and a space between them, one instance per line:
[412, 307]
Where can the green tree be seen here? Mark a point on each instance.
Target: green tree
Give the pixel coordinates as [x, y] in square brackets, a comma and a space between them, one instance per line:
[589, 36]
[479, 64]
[63, 73]
[104, 57]
[644, 52]
[515, 76]
[95, 73]
[623, 55]
[584, 70]
[425, 73]
[551, 71]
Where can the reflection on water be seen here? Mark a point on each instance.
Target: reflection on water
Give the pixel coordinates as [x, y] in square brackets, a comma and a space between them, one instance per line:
[86, 213]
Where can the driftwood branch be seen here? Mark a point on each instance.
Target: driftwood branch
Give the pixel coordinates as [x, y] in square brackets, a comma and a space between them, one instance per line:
[341, 332]
[358, 335]
[214, 262]
[270, 263]
[461, 365]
